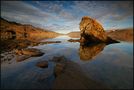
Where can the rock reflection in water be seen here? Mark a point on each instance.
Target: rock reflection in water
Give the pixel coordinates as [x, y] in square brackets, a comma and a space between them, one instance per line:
[87, 52]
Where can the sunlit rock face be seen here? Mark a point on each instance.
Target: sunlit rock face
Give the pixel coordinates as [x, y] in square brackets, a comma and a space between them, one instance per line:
[88, 52]
[92, 31]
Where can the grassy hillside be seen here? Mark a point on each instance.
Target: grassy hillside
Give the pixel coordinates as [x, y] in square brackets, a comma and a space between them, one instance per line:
[22, 31]
[121, 34]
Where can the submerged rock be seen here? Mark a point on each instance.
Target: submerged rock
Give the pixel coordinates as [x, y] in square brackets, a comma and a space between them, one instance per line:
[72, 76]
[58, 69]
[29, 51]
[58, 59]
[22, 57]
[60, 65]
[50, 42]
[42, 64]
[74, 40]
[92, 31]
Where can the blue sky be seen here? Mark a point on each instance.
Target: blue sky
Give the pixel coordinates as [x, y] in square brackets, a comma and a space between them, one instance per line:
[65, 16]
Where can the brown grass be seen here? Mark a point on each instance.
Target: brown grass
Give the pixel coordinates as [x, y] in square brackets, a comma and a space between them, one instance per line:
[122, 34]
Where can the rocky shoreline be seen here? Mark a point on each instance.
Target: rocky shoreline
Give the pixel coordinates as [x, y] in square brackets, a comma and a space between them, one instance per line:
[20, 48]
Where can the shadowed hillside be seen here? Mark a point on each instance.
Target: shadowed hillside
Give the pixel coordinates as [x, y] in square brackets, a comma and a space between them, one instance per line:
[16, 36]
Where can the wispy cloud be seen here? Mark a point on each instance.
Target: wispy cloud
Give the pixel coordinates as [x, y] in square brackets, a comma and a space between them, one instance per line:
[66, 15]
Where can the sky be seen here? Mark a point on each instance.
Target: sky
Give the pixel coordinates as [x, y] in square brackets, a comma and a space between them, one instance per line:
[65, 16]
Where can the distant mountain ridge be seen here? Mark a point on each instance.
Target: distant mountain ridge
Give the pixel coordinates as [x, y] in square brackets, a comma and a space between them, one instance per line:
[75, 34]
[22, 31]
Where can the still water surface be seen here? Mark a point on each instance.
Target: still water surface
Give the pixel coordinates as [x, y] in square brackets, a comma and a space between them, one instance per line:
[111, 65]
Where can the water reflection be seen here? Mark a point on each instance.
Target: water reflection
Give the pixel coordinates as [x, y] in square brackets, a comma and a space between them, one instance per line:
[102, 69]
[89, 51]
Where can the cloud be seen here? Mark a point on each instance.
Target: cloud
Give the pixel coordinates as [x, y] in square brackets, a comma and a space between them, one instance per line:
[19, 10]
[19, 7]
[98, 9]
[66, 15]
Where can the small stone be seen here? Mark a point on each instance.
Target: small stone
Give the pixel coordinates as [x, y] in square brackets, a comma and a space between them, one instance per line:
[74, 40]
[42, 64]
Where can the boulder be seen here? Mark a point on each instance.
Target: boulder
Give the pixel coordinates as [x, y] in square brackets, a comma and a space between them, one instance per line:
[92, 31]
[42, 64]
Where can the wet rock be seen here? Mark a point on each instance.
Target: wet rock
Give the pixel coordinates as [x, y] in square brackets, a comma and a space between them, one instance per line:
[92, 31]
[58, 59]
[59, 69]
[20, 58]
[35, 44]
[50, 42]
[74, 40]
[42, 64]
[60, 65]
[29, 51]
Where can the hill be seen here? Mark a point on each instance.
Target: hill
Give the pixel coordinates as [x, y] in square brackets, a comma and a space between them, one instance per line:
[125, 34]
[74, 34]
[13, 30]
[122, 34]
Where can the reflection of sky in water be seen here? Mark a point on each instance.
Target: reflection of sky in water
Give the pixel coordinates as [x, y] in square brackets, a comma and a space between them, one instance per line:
[113, 66]
[125, 47]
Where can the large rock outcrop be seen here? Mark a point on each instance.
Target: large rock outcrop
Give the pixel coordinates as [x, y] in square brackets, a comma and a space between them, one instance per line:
[91, 31]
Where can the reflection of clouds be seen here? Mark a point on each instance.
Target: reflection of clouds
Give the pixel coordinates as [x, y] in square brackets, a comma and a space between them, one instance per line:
[114, 66]
[118, 56]
[88, 52]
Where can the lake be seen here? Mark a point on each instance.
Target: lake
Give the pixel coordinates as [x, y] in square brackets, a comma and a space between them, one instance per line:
[110, 65]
